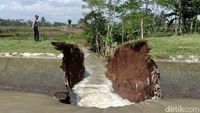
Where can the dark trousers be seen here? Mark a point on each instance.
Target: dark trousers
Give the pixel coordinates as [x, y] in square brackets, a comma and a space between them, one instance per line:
[36, 33]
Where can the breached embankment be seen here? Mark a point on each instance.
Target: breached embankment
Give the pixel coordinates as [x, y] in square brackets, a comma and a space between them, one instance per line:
[95, 90]
[41, 75]
[72, 65]
[179, 80]
[134, 74]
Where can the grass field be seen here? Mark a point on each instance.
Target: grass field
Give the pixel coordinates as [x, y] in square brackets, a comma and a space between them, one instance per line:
[175, 45]
[25, 46]
[160, 46]
[44, 46]
[14, 39]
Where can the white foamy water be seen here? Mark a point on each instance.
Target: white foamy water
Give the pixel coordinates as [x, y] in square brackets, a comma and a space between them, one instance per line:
[96, 90]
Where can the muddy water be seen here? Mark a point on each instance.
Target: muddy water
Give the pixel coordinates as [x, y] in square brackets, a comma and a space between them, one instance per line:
[18, 102]
[96, 90]
[178, 80]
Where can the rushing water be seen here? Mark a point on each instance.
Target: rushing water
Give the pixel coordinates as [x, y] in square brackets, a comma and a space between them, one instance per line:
[96, 90]
[178, 80]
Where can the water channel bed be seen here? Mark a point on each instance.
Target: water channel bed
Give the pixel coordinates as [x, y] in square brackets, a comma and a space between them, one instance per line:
[179, 85]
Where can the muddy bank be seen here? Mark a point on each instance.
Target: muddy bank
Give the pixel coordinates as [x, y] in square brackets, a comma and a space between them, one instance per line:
[73, 66]
[72, 63]
[134, 74]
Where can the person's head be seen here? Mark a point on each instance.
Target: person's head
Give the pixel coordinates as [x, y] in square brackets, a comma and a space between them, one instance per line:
[36, 17]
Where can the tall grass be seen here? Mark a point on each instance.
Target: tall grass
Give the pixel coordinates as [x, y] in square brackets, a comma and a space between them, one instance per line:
[25, 33]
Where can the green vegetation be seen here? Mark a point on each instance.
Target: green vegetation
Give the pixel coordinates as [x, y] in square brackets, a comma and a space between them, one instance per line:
[175, 45]
[44, 46]
[20, 22]
[170, 26]
[160, 46]
[26, 46]
[112, 22]
[20, 39]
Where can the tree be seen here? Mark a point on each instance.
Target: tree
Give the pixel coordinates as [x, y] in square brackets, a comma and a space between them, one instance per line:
[95, 23]
[111, 6]
[56, 24]
[181, 10]
[115, 21]
[159, 22]
[69, 21]
[12, 22]
[43, 21]
[130, 16]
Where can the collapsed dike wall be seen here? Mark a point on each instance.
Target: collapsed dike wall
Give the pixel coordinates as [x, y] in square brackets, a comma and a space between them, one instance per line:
[72, 65]
[133, 73]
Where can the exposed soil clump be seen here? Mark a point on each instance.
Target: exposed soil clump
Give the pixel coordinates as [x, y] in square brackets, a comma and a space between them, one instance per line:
[72, 65]
[134, 74]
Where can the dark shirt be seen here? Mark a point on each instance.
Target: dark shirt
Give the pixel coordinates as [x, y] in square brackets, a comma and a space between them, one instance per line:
[36, 23]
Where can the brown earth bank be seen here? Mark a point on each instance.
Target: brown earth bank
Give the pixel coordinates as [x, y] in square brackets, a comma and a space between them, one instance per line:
[134, 74]
[72, 65]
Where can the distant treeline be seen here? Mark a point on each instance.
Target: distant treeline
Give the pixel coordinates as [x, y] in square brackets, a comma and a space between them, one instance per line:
[20, 22]
[111, 22]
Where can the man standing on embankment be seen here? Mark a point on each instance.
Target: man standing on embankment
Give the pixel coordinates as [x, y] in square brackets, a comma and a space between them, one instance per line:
[35, 28]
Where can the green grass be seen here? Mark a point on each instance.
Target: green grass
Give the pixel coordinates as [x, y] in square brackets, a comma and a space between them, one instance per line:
[160, 46]
[29, 45]
[175, 45]
[26, 46]
[13, 39]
